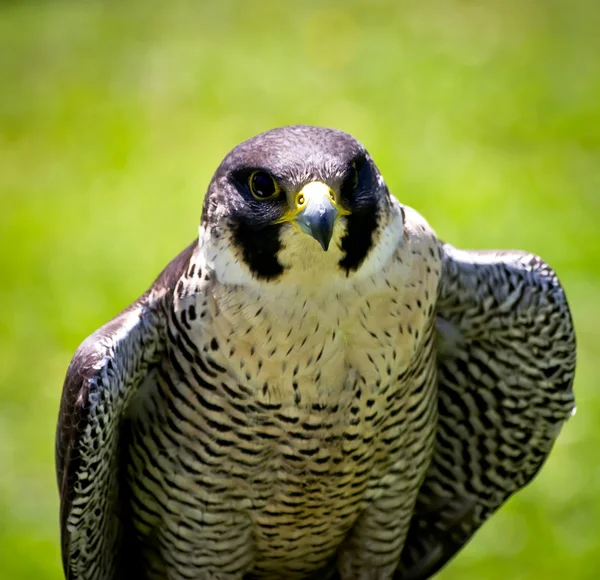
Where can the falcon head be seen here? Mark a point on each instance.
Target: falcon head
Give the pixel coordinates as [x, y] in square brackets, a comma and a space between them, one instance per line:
[294, 202]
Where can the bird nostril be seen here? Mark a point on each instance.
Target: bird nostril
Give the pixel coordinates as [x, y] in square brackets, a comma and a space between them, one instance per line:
[300, 200]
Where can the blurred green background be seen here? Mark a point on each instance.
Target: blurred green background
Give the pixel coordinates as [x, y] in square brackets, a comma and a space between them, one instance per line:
[485, 116]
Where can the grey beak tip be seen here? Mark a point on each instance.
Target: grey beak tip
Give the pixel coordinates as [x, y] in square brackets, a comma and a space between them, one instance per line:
[322, 231]
[318, 220]
[324, 244]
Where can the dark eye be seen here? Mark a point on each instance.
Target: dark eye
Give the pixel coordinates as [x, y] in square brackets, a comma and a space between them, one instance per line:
[353, 177]
[351, 180]
[262, 185]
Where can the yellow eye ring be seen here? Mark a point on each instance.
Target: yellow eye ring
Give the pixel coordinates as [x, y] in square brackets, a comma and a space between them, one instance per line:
[262, 185]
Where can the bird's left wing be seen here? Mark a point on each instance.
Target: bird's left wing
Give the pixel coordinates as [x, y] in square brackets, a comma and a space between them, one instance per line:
[105, 373]
[506, 362]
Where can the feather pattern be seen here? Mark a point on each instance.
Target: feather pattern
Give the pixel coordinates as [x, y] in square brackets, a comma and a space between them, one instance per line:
[506, 363]
[102, 378]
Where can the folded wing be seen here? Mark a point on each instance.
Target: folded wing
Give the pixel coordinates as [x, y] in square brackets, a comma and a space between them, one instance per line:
[103, 376]
[506, 357]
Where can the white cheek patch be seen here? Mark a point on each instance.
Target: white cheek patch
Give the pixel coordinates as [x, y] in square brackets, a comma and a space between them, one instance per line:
[390, 237]
[220, 257]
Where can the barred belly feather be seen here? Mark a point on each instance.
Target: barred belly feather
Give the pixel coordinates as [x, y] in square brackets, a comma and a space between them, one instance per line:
[245, 462]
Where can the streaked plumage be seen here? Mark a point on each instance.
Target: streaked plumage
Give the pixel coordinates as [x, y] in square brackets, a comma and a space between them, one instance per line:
[269, 409]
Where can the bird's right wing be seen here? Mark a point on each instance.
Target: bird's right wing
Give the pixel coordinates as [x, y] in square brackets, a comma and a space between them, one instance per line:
[506, 362]
[105, 373]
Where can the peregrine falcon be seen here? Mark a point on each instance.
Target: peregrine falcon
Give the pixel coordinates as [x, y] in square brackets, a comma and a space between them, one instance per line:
[317, 387]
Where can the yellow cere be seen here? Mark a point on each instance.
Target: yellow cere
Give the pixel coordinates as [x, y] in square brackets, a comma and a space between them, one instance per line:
[312, 190]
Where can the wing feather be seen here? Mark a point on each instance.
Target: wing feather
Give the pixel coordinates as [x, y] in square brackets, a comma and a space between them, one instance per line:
[104, 374]
[506, 363]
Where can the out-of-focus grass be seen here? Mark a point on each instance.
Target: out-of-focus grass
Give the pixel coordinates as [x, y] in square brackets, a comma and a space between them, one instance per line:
[485, 116]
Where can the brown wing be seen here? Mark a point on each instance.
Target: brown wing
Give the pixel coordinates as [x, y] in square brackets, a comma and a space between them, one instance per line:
[105, 372]
[506, 362]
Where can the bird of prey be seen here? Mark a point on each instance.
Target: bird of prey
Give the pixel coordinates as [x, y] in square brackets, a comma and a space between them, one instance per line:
[317, 387]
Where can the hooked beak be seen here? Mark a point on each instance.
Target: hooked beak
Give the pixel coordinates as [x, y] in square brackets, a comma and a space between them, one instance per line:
[317, 212]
